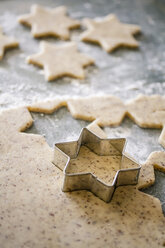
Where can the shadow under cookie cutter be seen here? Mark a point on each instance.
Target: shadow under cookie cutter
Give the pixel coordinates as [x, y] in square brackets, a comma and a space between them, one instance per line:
[66, 151]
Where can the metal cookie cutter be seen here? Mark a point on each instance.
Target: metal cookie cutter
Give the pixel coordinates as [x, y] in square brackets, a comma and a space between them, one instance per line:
[66, 151]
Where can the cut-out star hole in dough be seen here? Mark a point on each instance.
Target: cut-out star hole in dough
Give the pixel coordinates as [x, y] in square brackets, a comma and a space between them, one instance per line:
[110, 33]
[6, 42]
[46, 22]
[61, 60]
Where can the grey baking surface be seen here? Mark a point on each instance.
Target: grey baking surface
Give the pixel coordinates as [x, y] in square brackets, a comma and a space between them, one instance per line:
[125, 73]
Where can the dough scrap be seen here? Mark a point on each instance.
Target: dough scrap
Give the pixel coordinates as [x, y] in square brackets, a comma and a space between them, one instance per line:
[162, 137]
[153, 105]
[106, 110]
[147, 111]
[110, 33]
[97, 130]
[67, 61]
[46, 22]
[6, 42]
[49, 106]
[36, 213]
[157, 159]
[147, 176]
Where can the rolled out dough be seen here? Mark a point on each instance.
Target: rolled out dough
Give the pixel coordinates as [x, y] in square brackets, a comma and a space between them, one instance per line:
[35, 212]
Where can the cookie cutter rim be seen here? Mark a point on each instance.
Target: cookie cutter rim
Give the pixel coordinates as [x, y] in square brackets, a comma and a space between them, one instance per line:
[64, 152]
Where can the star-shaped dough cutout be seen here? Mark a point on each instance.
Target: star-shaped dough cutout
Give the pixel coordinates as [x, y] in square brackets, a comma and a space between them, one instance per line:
[110, 33]
[6, 42]
[60, 60]
[46, 22]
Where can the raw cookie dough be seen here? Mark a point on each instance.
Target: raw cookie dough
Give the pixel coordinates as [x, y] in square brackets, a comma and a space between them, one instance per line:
[106, 110]
[162, 137]
[103, 167]
[60, 60]
[110, 33]
[35, 212]
[94, 107]
[6, 42]
[158, 160]
[49, 106]
[46, 22]
[97, 130]
[147, 111]
[147, 175]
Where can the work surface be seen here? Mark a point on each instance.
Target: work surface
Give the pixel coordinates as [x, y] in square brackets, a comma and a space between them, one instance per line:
[125, 73]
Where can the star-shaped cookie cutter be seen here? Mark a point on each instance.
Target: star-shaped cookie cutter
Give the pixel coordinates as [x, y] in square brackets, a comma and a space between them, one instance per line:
[66, 151]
